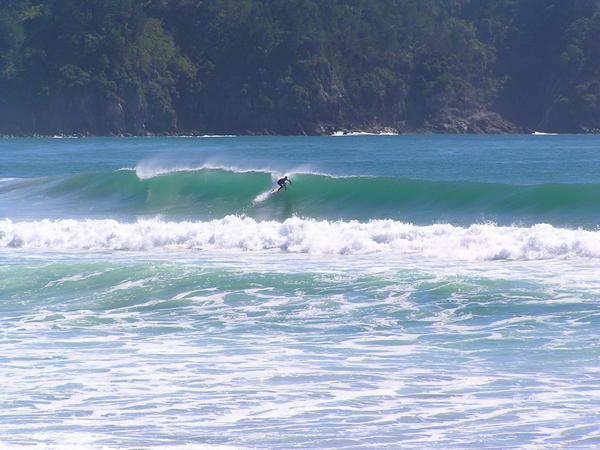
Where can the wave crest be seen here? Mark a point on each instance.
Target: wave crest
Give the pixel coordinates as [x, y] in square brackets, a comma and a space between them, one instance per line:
[202, 194]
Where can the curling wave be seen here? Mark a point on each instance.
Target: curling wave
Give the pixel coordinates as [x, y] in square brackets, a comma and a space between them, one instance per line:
[214, 193]
[295, 235]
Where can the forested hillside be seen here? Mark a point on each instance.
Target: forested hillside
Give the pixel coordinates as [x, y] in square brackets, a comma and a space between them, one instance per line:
[298, 66]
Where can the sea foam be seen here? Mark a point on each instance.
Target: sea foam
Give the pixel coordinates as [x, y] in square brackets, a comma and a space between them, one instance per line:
[296, 235]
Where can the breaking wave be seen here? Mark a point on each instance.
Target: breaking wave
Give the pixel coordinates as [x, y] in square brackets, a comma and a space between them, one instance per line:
[210, 193]
[296, 235]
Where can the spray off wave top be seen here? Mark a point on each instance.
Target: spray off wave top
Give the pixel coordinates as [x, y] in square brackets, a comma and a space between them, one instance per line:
[213, 193]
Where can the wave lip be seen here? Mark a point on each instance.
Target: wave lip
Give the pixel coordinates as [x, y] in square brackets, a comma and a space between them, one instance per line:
[212, 191]
[296, 235]
[149, 170]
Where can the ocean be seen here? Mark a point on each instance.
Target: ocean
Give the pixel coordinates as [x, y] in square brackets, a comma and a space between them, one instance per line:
[405, 292]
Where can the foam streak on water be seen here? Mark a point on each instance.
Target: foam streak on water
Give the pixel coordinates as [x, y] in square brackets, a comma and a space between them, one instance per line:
[132, 355]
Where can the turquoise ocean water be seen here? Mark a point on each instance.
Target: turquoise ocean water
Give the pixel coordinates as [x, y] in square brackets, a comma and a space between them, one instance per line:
[414, 292]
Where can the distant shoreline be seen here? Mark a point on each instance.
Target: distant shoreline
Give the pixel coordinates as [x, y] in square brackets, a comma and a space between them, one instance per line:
[333, 135]
[337, 133]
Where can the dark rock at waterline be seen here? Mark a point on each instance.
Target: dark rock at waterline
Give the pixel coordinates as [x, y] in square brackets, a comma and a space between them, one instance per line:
[455, 121]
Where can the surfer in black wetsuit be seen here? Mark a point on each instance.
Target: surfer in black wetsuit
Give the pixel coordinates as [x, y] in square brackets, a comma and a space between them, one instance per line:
[283, 182]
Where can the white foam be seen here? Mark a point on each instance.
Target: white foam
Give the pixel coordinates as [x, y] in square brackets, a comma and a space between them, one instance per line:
[362, 133]
[541, 133]
[77, 277]
[10, 181]
[199, 136]
[295, 235]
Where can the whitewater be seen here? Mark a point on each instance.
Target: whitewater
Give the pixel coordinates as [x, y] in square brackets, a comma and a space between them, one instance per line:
[447, 242]
[413, 292]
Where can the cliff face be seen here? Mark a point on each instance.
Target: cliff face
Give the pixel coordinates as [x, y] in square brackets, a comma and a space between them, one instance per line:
[327, 112]
[322, 105]
[298, 67]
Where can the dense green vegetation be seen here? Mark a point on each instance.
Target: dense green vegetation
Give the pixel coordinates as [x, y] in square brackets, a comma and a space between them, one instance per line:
[298, 66]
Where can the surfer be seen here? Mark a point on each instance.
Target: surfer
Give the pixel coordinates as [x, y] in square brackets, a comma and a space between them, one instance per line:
[283, 182]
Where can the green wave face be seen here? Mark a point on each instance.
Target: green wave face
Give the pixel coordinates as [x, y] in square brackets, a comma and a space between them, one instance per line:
[214, 193]
[433, 201]
[203, 193]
